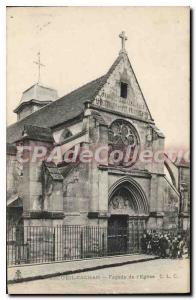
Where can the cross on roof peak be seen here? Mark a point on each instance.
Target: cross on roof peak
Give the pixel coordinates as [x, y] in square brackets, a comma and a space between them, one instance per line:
[123, 38]
[38, 62]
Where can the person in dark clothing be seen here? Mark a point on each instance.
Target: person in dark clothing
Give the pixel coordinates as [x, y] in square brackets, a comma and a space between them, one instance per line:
[181, 245]
[174, 248]
[149, 242]
[155, 244]
[163, 244]
[168, 247]
[144, 243]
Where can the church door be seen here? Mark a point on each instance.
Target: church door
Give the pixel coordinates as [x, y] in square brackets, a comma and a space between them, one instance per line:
[117, 234]
[127, 207]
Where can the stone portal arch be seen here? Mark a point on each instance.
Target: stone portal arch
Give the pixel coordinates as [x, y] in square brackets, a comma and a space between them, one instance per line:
[128, 206]
[126, 196]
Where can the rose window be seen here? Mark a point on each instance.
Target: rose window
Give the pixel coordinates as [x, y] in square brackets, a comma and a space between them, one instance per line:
[122, 132]
[123, 135]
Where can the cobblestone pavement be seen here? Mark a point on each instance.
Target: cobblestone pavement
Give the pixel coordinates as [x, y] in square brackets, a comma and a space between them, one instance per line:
[158, 276]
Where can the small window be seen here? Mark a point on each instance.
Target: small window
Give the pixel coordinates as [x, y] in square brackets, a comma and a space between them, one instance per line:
[123, 89]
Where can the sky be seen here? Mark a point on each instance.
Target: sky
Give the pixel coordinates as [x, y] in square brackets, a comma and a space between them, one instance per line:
[79, 44]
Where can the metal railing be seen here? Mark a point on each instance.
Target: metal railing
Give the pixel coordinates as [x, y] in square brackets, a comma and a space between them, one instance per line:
[39, 244]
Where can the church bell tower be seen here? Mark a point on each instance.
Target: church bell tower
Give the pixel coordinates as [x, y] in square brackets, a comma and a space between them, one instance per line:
[35, 97]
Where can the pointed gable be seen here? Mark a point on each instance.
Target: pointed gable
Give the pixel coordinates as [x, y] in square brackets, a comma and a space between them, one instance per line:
[109, 96]
[103, 92]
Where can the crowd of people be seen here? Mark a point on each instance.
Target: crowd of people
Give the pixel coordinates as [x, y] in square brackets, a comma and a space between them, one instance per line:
[164, 245]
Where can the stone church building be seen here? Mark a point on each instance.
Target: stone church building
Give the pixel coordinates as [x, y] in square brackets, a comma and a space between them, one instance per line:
[112, 112]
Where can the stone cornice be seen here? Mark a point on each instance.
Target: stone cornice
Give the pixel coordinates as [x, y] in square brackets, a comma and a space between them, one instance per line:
[123, 171]
[128, 116]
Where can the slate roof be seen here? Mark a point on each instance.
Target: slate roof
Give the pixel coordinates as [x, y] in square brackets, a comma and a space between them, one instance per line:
[39, 94]
[14, 201]
[53, 171]
[38, 133]
[65, 168]
[11, 149]
[66, 108]
[59, 111]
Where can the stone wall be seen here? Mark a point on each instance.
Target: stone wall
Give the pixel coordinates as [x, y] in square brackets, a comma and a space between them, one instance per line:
[142, 128]
[13, 178]
[76, 195]
[184, 186]
[109, 95]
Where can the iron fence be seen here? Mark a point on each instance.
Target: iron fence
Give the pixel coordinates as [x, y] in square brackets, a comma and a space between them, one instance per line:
[39, 244]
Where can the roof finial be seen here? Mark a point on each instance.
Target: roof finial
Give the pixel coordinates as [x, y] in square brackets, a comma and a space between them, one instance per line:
[38, 62]
[123, 39]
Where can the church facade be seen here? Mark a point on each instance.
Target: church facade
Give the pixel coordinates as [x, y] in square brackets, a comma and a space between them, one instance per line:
[105, 117]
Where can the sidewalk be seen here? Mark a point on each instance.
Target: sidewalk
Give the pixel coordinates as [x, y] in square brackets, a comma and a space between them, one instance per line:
[47, 270]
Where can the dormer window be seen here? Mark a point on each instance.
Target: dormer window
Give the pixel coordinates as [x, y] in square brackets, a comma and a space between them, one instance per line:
[123, 89]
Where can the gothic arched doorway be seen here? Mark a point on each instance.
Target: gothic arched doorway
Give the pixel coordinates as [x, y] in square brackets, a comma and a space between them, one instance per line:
[128, 207]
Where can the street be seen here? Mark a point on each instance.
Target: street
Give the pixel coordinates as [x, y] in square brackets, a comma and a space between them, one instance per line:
[157, 276]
